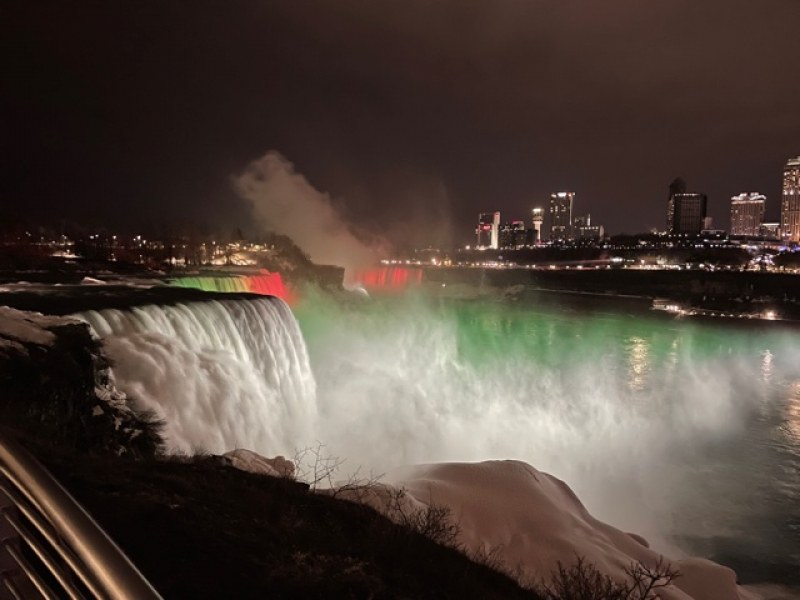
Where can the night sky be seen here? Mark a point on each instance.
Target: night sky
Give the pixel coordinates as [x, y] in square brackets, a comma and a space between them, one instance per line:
[413, 115]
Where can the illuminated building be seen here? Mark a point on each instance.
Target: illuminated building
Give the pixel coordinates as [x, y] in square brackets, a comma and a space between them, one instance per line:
[513, 235]
[506, 238]
[584, 230]
[686, 211]
[582, 221]
[561, 215]
[520, 233]
[488, 230]
[484, 230]
[770, 231]
[790, 204]
[538, 219]
[747, 214]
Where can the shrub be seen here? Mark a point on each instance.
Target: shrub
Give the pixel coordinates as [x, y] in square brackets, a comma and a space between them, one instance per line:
[582, 581]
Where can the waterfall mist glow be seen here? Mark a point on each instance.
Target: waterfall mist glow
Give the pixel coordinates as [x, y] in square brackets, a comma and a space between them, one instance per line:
[286, 202]
[650, 422]
[384, 279]
[629, 411]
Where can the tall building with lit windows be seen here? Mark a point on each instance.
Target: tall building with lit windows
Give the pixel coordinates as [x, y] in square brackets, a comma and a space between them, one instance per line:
[790, 203]
[513, 235]
[747, 214]
[686, 211]
[561, 215]
[537, 220]
[488, 230]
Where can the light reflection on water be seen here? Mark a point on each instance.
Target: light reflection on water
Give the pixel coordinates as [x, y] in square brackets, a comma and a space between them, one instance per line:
[736, 495]
[639, 366]
[791, 426]
[766, 365]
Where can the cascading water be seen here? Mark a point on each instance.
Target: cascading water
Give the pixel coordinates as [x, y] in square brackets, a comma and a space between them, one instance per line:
[385, 279]
[662, 428]
[264, 283]
[222, 374]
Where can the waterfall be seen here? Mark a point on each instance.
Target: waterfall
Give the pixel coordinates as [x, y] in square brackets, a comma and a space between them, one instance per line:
[221, 374]
[646, 419]
[263, 282]
[385, 279]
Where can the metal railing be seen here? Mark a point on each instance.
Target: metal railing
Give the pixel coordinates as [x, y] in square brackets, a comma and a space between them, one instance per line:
[51, 548]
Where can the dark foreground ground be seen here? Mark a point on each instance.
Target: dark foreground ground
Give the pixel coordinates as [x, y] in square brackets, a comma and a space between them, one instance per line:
[201, 529]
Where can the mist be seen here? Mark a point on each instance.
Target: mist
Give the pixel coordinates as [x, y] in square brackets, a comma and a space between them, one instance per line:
[285, 202]
[622, 422]
[620, 409]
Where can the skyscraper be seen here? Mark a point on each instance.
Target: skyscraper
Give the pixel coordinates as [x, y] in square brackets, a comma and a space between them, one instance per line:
[512, 235]
[747, 214]
[561, 215]
[790, 204]
[583, 229]
[678, 186]
[495, 230]
[520, 234]
[686, 211]
[488, 230]
[538, 219]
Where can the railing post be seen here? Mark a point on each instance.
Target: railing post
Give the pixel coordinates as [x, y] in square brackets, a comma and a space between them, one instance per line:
[85, 548]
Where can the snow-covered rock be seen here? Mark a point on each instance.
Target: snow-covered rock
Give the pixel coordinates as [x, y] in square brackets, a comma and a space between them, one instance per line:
[532, 521]
[92, 281]
[19, 327]
[247, 460]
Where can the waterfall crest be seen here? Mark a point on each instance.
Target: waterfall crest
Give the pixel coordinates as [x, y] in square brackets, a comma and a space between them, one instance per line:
[263, 282]
[221, 374]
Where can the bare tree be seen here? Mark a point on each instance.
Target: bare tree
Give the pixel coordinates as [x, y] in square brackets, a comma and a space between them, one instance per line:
[583, 581]
[314, 467]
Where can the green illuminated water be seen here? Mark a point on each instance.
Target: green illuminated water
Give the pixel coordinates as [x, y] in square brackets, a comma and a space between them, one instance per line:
[213, 284]
[685, 432]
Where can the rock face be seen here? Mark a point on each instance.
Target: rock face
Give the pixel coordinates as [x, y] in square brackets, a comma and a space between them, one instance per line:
[57, 386]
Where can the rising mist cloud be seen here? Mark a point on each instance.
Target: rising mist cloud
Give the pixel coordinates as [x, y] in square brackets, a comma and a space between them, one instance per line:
[287, 203]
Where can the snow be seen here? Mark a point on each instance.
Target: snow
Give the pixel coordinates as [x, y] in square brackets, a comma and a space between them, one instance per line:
[247, 460]
[528, 519]
[92, 281]
[534, 520]
[27, 327]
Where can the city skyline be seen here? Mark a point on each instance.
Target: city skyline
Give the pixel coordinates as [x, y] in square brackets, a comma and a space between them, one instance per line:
[404, 113]
[686, 213]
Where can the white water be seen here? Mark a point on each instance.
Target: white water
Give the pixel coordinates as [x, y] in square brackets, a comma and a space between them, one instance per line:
[221, 374]
[669, 430]
[631, 414]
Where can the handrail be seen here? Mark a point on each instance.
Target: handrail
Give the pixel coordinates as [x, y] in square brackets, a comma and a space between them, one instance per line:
[62, 536]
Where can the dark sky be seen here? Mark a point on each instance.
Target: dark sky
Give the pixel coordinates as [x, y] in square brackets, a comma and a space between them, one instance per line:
[413, 115]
